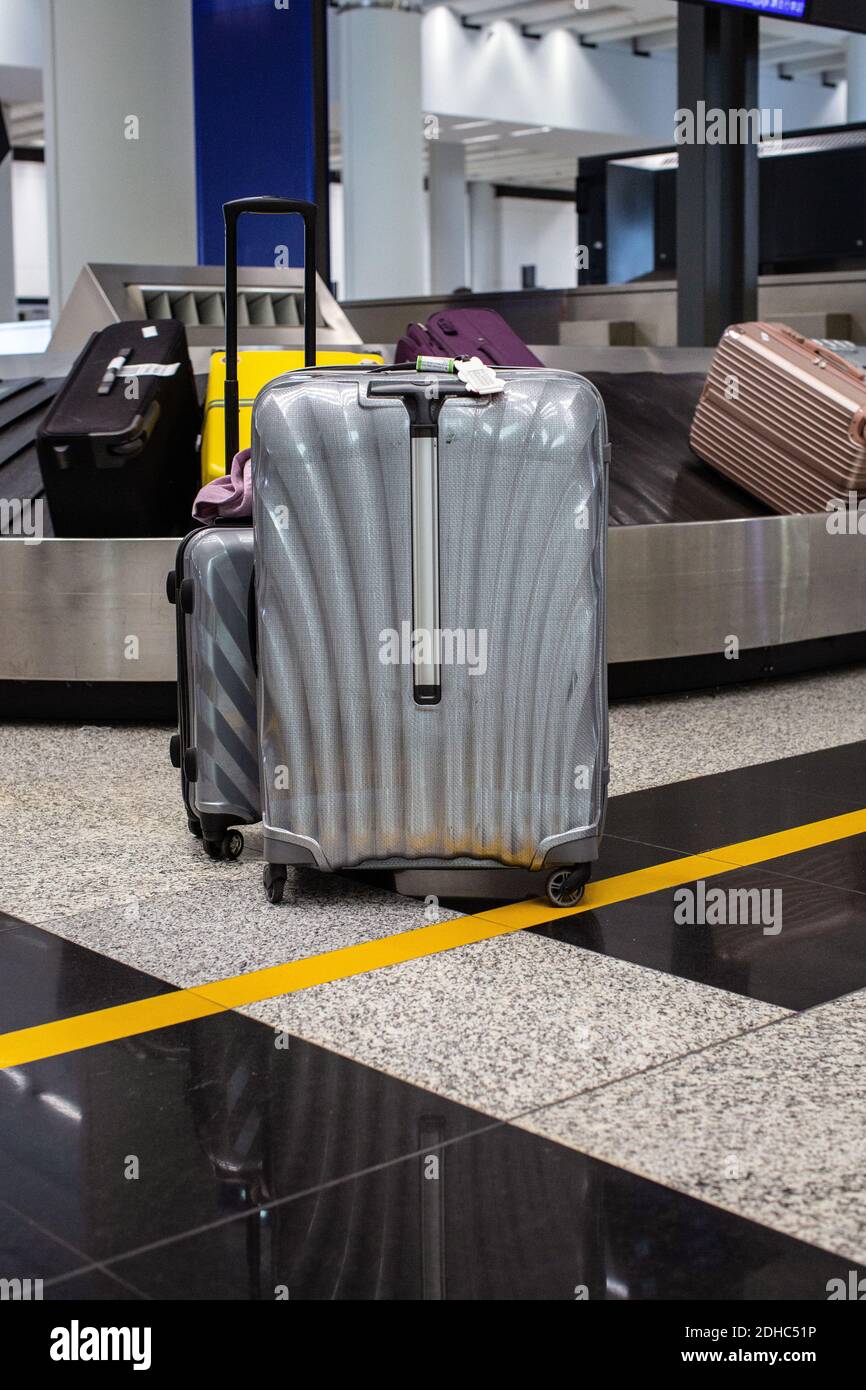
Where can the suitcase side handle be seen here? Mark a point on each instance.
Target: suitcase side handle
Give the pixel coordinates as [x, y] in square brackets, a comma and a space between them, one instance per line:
[835, 359]
[232, 212]
[821, 352]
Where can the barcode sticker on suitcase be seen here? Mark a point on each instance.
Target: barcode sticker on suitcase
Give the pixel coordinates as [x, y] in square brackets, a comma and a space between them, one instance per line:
[150, 369]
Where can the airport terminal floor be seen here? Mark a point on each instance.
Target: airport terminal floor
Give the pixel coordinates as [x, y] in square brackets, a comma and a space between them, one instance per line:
[360, 1095]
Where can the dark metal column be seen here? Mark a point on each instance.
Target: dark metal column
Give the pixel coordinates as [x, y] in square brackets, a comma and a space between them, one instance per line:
[321, 132]
[717, 184]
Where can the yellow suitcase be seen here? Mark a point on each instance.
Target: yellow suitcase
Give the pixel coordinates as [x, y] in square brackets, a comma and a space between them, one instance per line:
[255, 369]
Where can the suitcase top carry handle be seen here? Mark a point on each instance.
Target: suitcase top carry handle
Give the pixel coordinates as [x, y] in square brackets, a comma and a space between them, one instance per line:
[232, 212]
[422, 403]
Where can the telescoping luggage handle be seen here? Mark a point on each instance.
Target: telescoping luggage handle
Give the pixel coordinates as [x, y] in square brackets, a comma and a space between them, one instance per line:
[423, 406]
[232, 212]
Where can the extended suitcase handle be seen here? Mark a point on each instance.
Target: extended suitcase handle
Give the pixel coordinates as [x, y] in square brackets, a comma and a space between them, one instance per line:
[232, 212]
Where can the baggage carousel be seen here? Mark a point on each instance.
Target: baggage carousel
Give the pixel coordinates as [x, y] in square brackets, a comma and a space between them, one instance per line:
[698, 570]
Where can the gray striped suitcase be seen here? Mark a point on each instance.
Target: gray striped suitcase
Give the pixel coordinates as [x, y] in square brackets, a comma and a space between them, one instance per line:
[215, 747]
[212, 584]
[430, 596]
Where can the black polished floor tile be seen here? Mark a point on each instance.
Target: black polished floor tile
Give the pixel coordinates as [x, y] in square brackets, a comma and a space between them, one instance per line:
[817, 953]
[115, 1146]
[725, 808]
[502, 1215]
[94, 1286]
[839, 864]
[44, 978]
[624, 856]
[839, 774]
[28, 1252]
[661, 823]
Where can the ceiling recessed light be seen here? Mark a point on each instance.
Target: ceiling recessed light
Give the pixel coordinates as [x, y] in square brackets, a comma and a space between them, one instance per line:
[533, 130]
[478, 139]
[470, 125]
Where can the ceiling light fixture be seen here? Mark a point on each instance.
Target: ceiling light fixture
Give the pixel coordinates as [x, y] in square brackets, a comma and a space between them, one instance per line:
[470, 125]
[533, 130]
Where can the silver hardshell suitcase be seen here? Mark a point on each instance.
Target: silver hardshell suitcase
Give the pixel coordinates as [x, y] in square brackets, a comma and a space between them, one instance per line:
[430, 596]
[216, 744]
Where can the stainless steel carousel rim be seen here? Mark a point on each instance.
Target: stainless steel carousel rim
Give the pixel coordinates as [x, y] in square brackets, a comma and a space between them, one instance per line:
[95, 610]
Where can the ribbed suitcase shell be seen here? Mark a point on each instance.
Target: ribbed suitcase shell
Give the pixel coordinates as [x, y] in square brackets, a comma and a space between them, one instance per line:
[216, 677]
[354, 771]
[783, 416]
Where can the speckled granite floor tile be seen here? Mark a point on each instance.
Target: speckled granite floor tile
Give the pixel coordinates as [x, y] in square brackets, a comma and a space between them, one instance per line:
[511, 1023]
[672, 738]
[769, 1125]
[100, 818]
[47, 874]
[95, 818]
[227, 927]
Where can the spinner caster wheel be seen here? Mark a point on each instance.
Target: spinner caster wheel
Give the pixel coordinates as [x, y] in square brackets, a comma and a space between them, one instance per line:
[232, 844]
[274, 878]
[194, 827]
[565, 887]
[229, 847]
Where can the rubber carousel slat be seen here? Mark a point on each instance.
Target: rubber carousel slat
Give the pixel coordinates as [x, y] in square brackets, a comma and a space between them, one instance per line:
[8, 389]
[654, 476]
[19, 399]
[21, 413]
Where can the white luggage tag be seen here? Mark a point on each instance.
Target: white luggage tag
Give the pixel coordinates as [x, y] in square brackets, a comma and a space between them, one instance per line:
[478, 377]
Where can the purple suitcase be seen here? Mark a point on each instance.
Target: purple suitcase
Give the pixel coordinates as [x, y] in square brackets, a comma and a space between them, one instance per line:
[466, 332]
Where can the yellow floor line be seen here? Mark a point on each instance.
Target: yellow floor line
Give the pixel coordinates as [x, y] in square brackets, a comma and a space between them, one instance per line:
[674, 872]
[103, 1026]
[180, 1006]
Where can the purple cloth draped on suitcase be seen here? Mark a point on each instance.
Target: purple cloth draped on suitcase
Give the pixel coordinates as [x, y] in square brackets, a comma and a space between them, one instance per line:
[229, 496]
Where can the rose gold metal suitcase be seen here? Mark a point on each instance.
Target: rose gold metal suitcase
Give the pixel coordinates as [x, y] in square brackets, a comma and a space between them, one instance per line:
[783, 416]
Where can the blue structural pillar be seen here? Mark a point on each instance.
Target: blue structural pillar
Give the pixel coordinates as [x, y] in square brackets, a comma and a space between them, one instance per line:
[256, 111]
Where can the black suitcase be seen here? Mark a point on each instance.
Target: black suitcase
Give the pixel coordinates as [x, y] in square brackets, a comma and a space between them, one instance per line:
[118, 449]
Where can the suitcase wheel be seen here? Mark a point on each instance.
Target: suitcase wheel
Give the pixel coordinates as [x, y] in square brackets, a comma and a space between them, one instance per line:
[274, 878]
[194, 827]
[229, 847]
[174, 750]
[565, 887]
[233, 844]
[171, 586]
